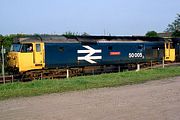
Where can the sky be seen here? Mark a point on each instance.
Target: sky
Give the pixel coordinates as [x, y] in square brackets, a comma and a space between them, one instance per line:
[95, 17]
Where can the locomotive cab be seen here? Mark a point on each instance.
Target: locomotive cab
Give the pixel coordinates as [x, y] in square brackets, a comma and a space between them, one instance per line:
[26, 56]
[169, 51]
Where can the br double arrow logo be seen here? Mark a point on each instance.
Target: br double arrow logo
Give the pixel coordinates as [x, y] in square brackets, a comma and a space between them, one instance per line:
[90, 52]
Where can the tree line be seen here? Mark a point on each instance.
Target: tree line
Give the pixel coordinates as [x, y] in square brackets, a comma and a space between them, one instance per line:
[173, 28]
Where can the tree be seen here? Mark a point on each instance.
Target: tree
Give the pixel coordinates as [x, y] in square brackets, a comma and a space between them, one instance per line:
[7, 40]
[1, 38]
[174, 27]
[176, 33]
[151, 34]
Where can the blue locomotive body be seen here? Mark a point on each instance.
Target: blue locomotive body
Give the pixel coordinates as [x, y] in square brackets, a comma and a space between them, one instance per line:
[81, 51]
[59, 55]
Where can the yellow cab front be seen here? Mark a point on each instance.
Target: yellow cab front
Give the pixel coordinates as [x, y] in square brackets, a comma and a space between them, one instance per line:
[26, 56]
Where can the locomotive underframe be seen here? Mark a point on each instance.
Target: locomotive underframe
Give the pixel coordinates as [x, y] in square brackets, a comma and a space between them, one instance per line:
[81, 71]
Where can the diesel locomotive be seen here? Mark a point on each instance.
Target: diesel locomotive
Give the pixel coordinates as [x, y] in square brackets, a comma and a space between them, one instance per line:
[49, 55]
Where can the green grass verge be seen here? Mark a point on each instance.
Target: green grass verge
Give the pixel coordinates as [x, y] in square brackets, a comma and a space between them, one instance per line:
[40, 87]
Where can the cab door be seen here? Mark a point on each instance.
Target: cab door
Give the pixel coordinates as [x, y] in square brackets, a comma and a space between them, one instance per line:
[39, 54]
[169, 52]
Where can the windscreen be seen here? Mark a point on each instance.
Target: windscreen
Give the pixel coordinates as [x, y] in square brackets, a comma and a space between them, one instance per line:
[15, 47]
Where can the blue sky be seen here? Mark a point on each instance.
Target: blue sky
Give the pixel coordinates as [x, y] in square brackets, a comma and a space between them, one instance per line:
[97, 17]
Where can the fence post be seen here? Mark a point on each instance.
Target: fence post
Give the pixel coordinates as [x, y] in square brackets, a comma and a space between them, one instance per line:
[163, 62]
[119, 68]
[151, 64]
[138, 67]
[2, 53]
[12, 78]
[67, 75]
[41, 76]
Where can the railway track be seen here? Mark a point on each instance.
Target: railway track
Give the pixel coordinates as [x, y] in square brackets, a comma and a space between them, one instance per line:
[37, 75]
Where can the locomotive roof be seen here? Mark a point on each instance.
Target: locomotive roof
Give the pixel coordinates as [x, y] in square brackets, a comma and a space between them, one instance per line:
[79, 39]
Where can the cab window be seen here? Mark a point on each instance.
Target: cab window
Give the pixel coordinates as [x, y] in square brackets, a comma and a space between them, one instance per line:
[38, 48]
[15, 47]
[27, 48]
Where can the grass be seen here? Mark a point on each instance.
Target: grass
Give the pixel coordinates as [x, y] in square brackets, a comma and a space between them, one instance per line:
[40, 87]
